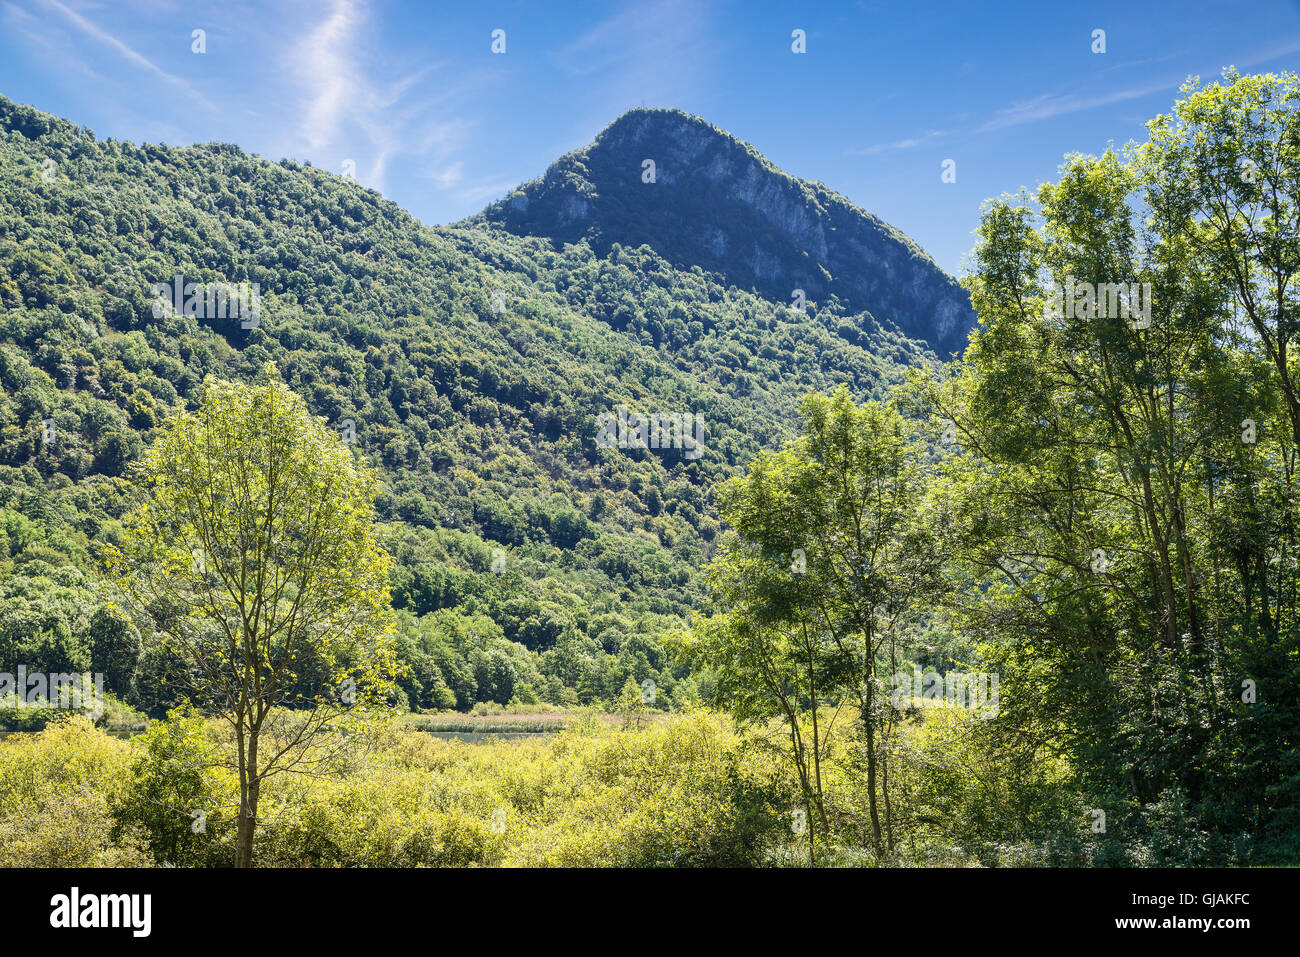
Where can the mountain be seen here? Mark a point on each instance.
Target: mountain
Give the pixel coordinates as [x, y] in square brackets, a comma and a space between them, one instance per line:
[712, 201]
[471, 363]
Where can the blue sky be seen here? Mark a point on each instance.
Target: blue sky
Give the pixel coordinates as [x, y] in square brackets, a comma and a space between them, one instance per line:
[413, 95]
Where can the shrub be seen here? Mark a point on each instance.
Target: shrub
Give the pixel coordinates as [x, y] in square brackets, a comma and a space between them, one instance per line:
[178, 797]
[57, 789]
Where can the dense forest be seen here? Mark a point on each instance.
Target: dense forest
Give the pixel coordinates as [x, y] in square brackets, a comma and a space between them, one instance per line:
[1035, 604]
[468, 363]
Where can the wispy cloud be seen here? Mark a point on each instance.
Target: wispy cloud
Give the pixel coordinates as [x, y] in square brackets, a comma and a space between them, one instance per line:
[20, 23]
[448, 176]
[652, 51]
[351, 111]
[103, 36]
[479, 194]
[1279, 49]
[323, 64]
[904, 144]
[343, 110]
[1049, 105]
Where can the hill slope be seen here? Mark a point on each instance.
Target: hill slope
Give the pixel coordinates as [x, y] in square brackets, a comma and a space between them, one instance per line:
[472, 362]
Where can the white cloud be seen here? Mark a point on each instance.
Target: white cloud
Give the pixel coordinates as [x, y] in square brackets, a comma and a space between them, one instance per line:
[1049, 105]
[651, 50]
[904, 144]
[103, 36]
[448, 176]
[322, 61]
[351, 110]
[478, 194]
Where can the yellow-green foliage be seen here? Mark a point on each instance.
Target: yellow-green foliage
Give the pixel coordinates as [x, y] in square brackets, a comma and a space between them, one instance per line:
[689, 789]
[178, 792]
[670, 794]
[57, 791]
[673, 793]
[960, 791]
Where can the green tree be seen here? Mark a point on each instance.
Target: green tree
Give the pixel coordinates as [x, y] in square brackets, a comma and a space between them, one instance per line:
[255, 558]
[1121, 473]
[631, 704]
[180, 793]
[115, 648]
[835, 557]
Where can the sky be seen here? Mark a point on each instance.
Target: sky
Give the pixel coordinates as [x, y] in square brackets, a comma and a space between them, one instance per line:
[413, 100]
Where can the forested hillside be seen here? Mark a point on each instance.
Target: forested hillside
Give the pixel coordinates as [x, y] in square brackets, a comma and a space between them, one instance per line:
[469, 364]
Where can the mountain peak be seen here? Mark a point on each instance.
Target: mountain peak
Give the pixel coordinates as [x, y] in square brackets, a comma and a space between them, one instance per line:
[641, 122]
[699, 196]
[640, 117]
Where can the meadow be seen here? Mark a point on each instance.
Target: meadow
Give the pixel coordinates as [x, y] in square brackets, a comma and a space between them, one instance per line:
[688, 789]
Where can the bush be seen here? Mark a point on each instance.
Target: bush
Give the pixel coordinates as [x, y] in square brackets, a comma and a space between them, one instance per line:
[175, 794]
[57, 789]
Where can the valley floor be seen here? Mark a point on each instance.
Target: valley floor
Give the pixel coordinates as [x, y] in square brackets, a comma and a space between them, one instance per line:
[570, 789]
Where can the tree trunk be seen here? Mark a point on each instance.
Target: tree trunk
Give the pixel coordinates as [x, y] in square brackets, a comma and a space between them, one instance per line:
[250, 785]
[817, 757]
[884, 787]
[869, 721]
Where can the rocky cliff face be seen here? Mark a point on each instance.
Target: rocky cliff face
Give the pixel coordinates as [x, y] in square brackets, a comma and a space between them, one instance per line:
[713, 201]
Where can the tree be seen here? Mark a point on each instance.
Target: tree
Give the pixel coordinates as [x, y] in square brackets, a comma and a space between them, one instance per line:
[631, 704]
[835, 557]
[1226, 166]
[255, 558]
[1122, 479]
[114, 648]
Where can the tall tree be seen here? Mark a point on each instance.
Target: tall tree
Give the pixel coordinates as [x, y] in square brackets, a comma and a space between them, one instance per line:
[835, 558]
[255, 558]
[1123, 471]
